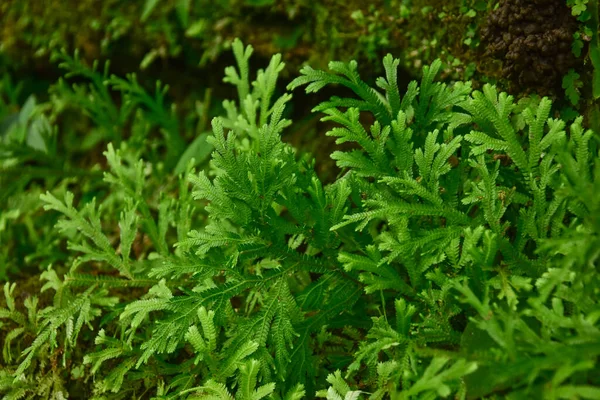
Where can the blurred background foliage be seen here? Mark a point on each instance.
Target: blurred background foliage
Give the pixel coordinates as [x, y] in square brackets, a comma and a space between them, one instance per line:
[524, 46]
[188, 36]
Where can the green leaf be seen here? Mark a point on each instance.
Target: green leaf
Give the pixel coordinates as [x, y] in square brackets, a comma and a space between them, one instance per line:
[149, 6]
[579, 7]
[572, 84]
[183, 11]
[199, 150]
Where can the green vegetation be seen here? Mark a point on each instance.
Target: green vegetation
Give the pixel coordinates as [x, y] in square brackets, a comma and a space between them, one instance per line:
[189, 241]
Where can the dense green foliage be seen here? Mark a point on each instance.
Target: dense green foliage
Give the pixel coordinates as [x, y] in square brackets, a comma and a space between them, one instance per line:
[455, 254]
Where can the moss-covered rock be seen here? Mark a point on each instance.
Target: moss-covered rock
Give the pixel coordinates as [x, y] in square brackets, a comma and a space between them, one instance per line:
[531, 40]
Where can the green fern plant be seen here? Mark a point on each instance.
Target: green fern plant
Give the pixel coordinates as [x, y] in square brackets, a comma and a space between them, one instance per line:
[478, 202]
[138, 107]
[455, 255]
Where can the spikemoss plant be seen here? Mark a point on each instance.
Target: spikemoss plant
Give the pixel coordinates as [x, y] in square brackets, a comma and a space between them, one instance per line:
[455, 255]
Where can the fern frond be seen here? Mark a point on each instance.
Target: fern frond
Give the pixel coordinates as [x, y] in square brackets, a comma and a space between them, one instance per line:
[240, 78]
[436, 380]
[346, 75]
